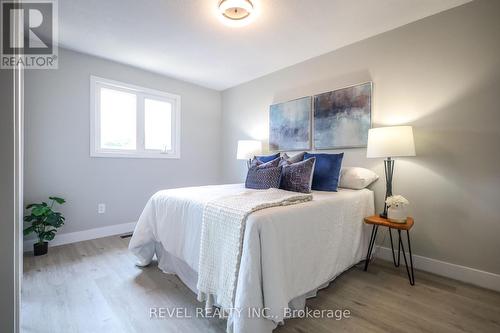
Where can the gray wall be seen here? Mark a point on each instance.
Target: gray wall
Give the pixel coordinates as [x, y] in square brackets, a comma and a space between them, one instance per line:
[57, 157]
[7, 203]
[441, 75]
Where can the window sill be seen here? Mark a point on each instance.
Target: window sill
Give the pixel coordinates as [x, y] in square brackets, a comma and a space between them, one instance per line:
[135, 155]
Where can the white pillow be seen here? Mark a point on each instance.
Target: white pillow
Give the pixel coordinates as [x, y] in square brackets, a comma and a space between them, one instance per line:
[356, 178]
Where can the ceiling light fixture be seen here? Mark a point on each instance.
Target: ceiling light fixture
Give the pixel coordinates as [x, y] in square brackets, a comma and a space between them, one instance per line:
[236, 10]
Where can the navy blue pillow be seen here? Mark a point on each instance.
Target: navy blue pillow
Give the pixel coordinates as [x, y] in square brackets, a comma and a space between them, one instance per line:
[326, 171]
[268, 158]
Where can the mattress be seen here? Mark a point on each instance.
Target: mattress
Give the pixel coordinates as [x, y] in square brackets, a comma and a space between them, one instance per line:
[288, 252]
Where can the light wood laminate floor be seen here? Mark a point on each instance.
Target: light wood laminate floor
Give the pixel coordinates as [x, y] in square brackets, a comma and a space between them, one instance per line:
[94, 286]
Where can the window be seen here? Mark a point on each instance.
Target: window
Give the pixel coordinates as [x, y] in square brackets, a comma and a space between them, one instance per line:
[131, 121]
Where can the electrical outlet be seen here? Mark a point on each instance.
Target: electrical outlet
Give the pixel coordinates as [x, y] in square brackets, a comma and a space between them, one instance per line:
[101, 208]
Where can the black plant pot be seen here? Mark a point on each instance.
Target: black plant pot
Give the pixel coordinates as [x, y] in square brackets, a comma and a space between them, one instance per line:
[39, 249]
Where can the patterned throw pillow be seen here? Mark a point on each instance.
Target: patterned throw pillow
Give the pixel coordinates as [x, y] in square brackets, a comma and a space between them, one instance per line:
[297, 177]
[263, 178]
[295, 158]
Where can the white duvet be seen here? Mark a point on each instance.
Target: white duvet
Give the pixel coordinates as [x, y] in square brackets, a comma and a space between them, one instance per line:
[287, 251]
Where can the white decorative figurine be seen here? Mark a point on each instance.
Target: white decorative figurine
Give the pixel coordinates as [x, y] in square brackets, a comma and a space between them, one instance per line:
[397, 210]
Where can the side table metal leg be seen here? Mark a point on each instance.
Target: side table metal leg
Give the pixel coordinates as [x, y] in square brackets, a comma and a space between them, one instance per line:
[404, 257]
[399, 248]
[392, 248]
[370, 246]
[412, 281]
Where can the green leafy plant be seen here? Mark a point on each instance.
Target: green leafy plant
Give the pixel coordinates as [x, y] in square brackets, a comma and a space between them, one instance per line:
[44, 220]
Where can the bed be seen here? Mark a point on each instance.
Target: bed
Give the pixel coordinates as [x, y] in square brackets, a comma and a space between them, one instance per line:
[288, 252]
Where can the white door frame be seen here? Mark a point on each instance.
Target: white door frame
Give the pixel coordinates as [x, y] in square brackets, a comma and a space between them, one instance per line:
[18, 192]
[18, 113]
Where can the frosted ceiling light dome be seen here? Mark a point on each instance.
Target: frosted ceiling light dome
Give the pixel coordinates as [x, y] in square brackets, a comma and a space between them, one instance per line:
[236, 10]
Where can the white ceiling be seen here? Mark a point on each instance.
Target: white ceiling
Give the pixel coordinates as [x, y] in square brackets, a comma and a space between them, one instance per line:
[185, 39]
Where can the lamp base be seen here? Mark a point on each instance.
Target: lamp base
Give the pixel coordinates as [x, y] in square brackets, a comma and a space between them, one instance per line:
[389, 170]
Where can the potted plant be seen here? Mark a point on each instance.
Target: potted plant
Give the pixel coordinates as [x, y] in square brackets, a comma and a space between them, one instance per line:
[397, 210]
[44, 223]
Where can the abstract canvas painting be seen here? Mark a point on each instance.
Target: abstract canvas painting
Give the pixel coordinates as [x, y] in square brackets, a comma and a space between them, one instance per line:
[342, 117]
[290, 125]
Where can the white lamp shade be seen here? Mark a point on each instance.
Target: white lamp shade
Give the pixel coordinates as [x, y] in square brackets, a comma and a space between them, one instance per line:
[391, 141]
[247, 149]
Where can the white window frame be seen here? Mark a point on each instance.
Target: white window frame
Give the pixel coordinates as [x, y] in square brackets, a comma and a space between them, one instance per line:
[141, 93]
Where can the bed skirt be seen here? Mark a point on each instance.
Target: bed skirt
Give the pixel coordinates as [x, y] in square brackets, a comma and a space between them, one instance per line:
[171, 264]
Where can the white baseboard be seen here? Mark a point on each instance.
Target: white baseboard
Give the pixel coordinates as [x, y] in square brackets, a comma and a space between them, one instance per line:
[78, 236]
[462, 273]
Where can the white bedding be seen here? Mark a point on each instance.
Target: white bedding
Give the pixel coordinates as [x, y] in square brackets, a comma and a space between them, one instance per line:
[287, 251]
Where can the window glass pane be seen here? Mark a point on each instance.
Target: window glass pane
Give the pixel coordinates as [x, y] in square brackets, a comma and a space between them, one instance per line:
[158, 122]
[118, 119]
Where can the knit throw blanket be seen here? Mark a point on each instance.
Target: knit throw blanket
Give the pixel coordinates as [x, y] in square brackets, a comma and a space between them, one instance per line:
[222, 233]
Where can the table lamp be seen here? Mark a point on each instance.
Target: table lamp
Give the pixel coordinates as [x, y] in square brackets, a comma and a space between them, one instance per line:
[389, 142]
[247, 149]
